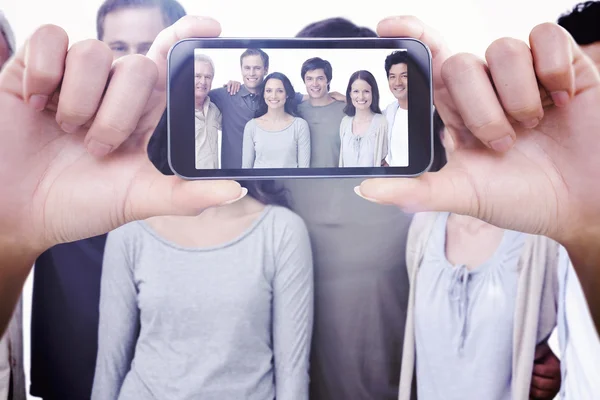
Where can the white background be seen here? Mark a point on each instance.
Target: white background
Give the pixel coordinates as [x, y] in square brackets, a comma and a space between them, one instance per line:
[467, 25]
[344, 63]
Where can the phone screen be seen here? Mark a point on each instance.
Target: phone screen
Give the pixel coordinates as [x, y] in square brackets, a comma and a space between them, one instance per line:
[268, 110]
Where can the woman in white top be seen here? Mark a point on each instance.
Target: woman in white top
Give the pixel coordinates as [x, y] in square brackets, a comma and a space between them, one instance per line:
[363, 131]
[276, 137]
[481, 300]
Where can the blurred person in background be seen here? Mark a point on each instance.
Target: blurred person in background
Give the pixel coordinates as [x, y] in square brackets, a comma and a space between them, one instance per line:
[12, 374]
[66, 283]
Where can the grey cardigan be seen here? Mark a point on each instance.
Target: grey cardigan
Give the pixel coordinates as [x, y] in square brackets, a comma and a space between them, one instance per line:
[535, 313]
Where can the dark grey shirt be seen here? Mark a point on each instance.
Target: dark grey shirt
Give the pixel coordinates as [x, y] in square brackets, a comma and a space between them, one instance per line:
[361, 289]
[237, 110]
[324, 123]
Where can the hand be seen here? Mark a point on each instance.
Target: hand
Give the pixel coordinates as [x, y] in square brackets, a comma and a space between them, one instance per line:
[546, 378]
[233, 87]
[505, 167]
[75, 128]
[338, 96]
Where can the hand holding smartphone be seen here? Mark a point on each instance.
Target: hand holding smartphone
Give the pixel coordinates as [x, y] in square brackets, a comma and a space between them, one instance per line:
[305, 108]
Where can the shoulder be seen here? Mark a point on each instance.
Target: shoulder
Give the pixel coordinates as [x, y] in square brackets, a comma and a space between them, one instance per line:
[251, 125]
[300, 122]
[380, 119]
[421, 223]
[346, 120]
[128, 232]
[287, 222]
[212, 106]
[219, 94]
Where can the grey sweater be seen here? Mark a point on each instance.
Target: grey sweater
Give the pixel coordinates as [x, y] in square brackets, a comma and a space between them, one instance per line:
[232, 321]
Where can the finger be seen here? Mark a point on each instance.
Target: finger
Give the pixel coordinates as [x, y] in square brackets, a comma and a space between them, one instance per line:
[81, 89]
[542, 383]
[156, 194]
[548, 369]
[410, 26]
[541, 350]
[37, 69]
[537, 394]
[467, 79]
[186, 27]
[511, 67]
[132, 81]
[554, 53]
[446, 190]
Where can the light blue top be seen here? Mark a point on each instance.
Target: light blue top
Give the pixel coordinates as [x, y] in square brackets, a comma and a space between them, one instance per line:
[285, 148]
[232, 321]
[464, 321]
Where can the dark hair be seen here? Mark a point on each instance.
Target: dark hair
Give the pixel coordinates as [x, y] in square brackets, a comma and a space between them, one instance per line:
[171, 11]
[370, 79]
[291, 106]
[256, 52]
[335, 28]
[583, 22]
[397, 57]
[317, 63]
[439, 152]
[265, 191]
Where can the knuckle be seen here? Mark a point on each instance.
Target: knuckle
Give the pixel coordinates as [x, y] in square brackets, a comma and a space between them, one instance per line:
[484, 125]
[459, 63]
[138, 65]
[91, 49]
[520, 109]
[507, 48]
[115, 129]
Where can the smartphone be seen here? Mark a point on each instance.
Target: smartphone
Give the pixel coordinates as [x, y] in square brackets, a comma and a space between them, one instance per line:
[299, 108]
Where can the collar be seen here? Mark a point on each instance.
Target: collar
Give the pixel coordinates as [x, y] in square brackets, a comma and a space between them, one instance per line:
[244, 92]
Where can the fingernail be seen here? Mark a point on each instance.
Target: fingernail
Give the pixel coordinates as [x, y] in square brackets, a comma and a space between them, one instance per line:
[560, 98]
[98, 149]
[502, 144]
[359, 193]
[532, 123]
[69, 128]
[242, 195]
[38, 102]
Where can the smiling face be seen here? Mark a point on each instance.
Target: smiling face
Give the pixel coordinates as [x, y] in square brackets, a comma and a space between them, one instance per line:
[203, 74]
[253, 71]
[316, 83]
[398, 81]
[361, 94]
[275, 95]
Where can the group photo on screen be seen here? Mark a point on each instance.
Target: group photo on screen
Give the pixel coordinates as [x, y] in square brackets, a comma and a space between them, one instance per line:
[301, 108]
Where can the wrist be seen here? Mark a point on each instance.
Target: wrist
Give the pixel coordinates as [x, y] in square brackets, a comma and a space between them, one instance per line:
[17, 247]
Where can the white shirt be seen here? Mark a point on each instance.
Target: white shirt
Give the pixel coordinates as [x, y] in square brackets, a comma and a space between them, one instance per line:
[397, 135]
[579, 342]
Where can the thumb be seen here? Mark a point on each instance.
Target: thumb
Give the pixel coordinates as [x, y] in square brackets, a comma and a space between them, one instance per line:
[160, 195]
[446, 190]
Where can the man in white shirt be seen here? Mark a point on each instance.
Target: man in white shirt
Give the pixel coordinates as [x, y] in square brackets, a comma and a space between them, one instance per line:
[208, 116]
[396, 69]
